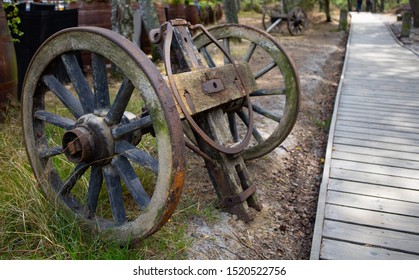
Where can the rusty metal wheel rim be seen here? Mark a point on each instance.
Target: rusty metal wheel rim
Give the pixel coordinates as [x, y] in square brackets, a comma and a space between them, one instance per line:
[280, 62]
[238, 146]
[114, 164]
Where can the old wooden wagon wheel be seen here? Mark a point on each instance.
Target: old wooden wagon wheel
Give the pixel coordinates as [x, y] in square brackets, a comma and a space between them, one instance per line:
[297, 21]
[114, 159]
[276, 101]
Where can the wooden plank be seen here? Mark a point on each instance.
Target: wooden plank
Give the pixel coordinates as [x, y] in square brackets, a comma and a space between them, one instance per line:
[370, 189]
[372, 86]
[377, 107]
[376, 144]
[373, 203]
[372, 218]
[384, 126]
[357, 54]
[378, 132]
[372, 91]
[368, 236]
[354, 64]
[387, 120]
[372, 105]
[376, 138]
[377, 160]
[375, 169]
[401, 82]
[375, 112]
[353, 67]
[387, 77]
[374, 151]
[337, 250]
[384, 180]
[365, 76]
[412, 104]
[381, 95]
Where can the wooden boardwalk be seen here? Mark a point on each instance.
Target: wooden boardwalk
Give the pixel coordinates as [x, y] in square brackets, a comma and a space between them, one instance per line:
[369, 199]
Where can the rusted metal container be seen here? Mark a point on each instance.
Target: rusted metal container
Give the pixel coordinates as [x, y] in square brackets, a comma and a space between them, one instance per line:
[8, 65]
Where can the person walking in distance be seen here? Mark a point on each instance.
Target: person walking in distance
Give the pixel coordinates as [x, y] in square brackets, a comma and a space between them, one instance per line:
[358, 5]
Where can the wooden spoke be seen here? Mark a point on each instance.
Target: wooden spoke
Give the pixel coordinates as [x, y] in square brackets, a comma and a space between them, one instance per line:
[64, 95]
[95, 185]
[51, 152]
[120, 104]
[226, 46]
[79, 81]
[268, 92]
[207, 57]
[233, 126]
[100, 82]
[266, 113]
[268, 67]
[140, 157]
[131, 180]
[242, 115]
[54, 119]
[72, 179]
[249, 52]
[113, 185]
[124, 129]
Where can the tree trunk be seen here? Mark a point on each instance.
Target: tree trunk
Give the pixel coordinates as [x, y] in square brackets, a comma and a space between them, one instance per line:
[122, 18]
[414, 6]
[230, 10]
[381, 6]
[150, 21]
[327, 10]
[149, 15]
[350, 5]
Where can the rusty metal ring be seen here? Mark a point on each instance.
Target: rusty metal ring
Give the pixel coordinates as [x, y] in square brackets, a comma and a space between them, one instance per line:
[237, 148]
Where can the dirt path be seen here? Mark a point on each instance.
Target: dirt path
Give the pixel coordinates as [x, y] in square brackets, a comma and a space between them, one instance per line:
[287, 179]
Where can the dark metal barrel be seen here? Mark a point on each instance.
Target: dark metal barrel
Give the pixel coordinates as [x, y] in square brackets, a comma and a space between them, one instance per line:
[8, 65]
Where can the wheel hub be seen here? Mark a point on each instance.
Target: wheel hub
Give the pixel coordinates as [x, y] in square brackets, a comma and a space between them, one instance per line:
[90, 141]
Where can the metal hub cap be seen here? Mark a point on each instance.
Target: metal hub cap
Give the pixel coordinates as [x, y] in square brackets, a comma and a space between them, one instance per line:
[90, 141]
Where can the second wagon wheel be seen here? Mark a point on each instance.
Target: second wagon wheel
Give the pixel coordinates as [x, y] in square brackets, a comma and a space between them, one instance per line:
[110, 152]
[276, 99]
[297, 21]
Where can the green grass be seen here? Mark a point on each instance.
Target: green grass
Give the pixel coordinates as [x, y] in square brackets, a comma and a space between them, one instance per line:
[32, 227]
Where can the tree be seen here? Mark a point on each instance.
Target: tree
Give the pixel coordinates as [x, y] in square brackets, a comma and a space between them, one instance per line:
[122, 18]
[327, 10]
[414, 6]
[150, 21]
[230, 10]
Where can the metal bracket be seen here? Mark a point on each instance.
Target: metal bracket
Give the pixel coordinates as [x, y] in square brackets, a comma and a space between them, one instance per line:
[240, 198]
[213, 86]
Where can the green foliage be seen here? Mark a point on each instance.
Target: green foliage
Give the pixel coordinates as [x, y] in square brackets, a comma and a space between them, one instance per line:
[252, 5]
[389, 4]
[13, 20]
[257, 5]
